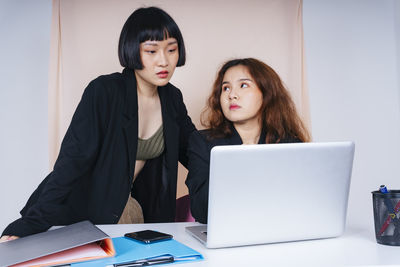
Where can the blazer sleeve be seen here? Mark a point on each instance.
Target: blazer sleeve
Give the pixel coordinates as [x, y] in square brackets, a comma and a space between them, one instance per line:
[186, 128]
[77, 155]
[198, 177]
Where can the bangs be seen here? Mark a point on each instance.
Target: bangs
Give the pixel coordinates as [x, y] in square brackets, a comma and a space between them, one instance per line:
[157, 33]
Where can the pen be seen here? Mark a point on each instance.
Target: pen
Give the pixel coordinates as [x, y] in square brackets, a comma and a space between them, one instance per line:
[392, 211]
[147, 262]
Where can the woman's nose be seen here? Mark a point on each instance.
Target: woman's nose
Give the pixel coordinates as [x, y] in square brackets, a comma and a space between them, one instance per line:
[232, 94]
[162, 60]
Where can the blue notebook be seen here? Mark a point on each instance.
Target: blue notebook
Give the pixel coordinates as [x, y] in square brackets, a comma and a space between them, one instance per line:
[127, 250]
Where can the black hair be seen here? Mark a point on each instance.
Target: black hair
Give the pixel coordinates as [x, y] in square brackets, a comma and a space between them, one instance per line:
[144, 24]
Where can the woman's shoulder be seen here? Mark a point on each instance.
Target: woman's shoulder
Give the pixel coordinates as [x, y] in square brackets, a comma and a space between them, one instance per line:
[199, 144]
[171, 88]
[172, 98]
[206, 134]
[107, 87]
[206, 137]
[198, 138]
[171, 91]
[113, 80]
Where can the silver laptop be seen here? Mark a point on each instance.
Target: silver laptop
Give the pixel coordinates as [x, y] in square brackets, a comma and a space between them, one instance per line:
[276, 193]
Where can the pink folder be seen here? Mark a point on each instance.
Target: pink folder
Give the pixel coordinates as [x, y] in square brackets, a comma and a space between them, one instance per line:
[73, 243]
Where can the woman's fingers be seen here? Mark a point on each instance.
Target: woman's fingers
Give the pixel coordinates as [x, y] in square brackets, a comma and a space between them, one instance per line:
[5, 238]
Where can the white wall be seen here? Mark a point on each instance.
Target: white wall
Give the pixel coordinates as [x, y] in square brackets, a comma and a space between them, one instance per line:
[397, 33]
[24, 57]
[352, 65]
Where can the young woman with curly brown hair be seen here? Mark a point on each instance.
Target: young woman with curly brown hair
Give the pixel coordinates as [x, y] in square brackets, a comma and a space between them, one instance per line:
[248, 105]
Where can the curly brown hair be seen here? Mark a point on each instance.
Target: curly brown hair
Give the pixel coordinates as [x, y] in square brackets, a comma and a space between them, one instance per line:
[280, 120]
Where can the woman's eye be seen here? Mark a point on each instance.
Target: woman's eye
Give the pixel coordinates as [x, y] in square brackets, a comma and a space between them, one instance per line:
[244, 85]
[172, 50]
[226, 88]
[150, 51]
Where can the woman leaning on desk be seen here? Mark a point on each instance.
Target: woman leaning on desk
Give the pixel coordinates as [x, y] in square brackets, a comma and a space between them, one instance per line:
[125, 138]
[248, 105]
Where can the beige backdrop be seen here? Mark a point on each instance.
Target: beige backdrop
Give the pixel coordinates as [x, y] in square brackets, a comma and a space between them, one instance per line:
[85, 39]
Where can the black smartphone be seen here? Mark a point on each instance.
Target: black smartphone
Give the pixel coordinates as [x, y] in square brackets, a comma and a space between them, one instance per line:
[148, 236]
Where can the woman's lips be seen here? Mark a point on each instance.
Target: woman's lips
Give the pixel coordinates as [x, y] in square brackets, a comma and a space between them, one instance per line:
[162, 74]
[233, 107]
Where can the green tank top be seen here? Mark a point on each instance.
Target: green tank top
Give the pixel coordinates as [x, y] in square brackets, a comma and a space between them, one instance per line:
[151, 148]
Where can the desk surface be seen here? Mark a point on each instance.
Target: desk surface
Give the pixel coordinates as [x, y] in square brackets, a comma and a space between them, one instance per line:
[357, 247]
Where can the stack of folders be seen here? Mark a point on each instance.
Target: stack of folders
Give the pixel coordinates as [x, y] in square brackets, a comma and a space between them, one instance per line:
[73, 243]
[83, 244]
[130, 252]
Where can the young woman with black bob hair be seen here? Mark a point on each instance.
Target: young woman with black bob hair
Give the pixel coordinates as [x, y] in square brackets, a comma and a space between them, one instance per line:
[248, 105]
[125, 139]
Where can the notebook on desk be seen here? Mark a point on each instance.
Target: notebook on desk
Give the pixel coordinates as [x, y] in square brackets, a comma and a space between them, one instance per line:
[271, 193]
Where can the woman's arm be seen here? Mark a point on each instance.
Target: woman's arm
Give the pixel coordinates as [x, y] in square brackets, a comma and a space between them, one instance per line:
[77, 156]
[198, 177]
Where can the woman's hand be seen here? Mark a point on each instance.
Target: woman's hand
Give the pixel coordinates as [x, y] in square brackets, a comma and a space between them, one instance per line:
[5, 238]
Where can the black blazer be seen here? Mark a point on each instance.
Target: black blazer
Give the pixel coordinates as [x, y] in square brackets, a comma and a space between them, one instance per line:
[92, 177]
[197, 181]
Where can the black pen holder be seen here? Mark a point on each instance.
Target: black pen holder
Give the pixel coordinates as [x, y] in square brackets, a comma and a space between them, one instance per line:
[387, 217]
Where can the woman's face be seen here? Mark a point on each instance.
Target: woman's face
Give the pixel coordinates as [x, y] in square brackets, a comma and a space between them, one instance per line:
[159, 59]
[240, 99]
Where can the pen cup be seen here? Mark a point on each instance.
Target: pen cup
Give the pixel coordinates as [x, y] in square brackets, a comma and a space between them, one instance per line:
[386, 217]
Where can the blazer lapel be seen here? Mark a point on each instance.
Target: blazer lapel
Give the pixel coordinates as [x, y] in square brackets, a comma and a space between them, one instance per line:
[130, 118]
[234, 139]
[170, 126]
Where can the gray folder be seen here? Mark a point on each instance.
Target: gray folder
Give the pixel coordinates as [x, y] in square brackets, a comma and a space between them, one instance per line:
[52, 241]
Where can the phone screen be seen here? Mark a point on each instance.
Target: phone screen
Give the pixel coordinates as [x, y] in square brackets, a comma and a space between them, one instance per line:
[148, 236]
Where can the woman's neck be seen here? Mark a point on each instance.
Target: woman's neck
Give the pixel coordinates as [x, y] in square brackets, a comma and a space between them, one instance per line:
[249, 132]
[144, 88]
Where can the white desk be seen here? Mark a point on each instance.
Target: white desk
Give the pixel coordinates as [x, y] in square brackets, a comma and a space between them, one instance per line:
[357, 247]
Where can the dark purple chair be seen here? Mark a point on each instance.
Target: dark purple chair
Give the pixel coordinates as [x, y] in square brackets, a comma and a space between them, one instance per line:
[183, 213]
